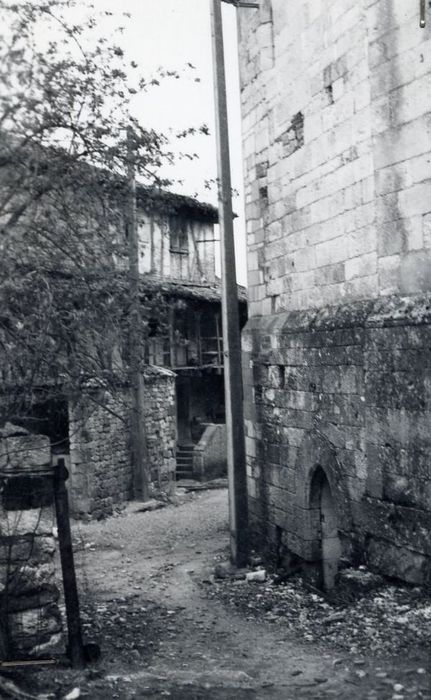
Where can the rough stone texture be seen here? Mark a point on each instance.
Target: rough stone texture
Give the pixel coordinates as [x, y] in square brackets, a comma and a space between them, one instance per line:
[22, 450]
[101, 471]
[161, 426]
[29, 617]
[209, 455]
[346, 389]
[100, 460]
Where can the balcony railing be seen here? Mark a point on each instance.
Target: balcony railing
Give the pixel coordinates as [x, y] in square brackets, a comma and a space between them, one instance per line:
[201, 352]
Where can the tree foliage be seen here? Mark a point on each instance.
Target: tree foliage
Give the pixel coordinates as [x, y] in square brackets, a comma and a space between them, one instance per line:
[65, 92]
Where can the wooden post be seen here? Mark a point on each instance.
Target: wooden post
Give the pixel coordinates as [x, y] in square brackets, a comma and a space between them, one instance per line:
[172, 346]
[237, 478]
[219, 344]
[198, 337]
[138, 432]
[71, 599]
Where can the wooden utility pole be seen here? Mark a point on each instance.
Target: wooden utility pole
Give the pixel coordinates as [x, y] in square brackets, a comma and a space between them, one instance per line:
[71, 599]
[422, 13]
[237, 478]
[138, 432]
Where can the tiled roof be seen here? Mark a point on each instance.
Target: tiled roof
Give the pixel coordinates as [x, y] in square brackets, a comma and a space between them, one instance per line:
[169, 203]
[192, 290]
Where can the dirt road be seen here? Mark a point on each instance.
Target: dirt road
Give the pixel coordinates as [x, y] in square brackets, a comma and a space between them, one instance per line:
[143, 578]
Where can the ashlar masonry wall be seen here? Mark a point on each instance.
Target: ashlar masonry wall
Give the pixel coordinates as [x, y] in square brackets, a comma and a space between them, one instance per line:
[336, 105]
[345, 390]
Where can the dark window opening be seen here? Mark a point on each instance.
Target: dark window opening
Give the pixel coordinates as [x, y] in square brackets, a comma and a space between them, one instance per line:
[153, 326]
[263, 194]
[298, 128]
[179, 241]
[281, 379]
[329, 94]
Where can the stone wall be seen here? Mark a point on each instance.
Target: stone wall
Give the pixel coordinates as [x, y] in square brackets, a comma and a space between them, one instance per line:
[100, 460]
[344, 391]
[336, 125]
[161, 426]
[209, 455]
[101, 470]
[30, 621]
[335, 102]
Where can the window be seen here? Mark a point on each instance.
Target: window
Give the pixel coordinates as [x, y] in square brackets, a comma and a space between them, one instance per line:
[179, 241]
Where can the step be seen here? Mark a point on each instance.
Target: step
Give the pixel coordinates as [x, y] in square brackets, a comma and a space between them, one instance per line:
[184, 475]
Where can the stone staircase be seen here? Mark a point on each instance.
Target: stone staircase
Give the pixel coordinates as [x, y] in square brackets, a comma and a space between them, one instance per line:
[185, 461]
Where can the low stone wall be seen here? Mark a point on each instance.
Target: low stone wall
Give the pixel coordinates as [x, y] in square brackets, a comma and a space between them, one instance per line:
[345, 393]
[100, 460]
[160, 411]
[101, 470]
[209, 455]
[30, 620]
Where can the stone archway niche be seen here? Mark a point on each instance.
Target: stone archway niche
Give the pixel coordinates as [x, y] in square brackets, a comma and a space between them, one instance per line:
[326, 528]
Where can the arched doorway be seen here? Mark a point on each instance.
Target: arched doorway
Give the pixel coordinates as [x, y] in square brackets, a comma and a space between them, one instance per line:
[326, 524]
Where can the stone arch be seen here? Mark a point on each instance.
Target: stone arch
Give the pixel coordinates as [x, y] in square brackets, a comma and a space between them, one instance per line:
[317, 453]
[320, 481]
[325, 528]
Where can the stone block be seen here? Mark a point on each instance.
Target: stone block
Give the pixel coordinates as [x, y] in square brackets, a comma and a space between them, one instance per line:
[415, 272]
[23, 451]
[399, 561]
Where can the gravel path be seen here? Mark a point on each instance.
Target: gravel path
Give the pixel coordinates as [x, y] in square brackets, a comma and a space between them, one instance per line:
[149, 599]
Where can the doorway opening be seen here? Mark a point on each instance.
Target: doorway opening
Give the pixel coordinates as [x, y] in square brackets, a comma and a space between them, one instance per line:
[325, 522]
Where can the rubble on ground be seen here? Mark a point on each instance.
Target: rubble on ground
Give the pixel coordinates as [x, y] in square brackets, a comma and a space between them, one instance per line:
[366, 613]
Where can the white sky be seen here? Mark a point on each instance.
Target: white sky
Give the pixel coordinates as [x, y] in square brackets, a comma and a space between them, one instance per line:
[171, 33]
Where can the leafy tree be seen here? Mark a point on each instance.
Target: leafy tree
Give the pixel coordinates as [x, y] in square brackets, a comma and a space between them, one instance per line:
[65, 94]
[65, 155]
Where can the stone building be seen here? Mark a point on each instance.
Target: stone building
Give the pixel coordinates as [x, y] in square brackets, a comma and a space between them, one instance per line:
[183, 376]
[336, 106]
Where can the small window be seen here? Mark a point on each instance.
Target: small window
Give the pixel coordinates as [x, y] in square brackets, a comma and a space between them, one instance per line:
[298, 129]
[263, 194]
[153, 326]
[179, 240]
[329, 94]
[281, 376]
